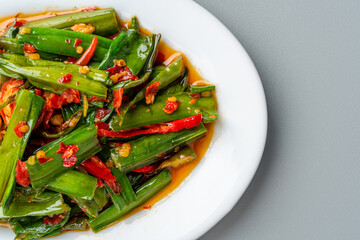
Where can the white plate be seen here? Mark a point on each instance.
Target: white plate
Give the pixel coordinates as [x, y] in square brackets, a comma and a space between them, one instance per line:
[217, 183]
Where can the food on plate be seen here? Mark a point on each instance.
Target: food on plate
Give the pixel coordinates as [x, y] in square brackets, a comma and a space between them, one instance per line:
[97, 118]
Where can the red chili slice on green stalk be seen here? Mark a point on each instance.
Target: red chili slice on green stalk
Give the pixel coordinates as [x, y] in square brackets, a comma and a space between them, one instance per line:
[118, 95]
[169, 127]
[22, 175]
[68, 154]
[89, 52]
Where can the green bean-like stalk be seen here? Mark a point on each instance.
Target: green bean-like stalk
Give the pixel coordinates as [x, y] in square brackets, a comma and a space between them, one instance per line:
[28, 108]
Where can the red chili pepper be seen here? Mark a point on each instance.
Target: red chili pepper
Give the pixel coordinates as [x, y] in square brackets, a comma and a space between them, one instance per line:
[18, 23]
[47, 116]
[100, 113]
[94, 98]
[145, 169]
[151, 91]
[17, 131]
[28, 48]
[45, 160]
[100, 184]
[71, 60]
[54, 219]
[118, 94]
[53, 101]
[169, 127]
[68, 154]
[125, 73]
[96, 167]
[147, 207]
[171, 106]
[68, 41]
[22, 175]
[160, 57]
[69, 96]
[89, 52]
[10, 88]
[38, 92]
[102, 125]
[65, 79]
[78, 41]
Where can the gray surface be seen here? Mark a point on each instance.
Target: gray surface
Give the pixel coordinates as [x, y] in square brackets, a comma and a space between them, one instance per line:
[308, 56]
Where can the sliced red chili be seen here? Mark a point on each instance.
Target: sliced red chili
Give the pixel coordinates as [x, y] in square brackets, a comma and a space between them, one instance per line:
[100, 184]
[70, 96]
[171, 106]
[145, 169]
[22, 175]
[18, 127]
[151, 91]
[54, 219]
[9, 89]
[38, 92]
[68, 41]
[28, 48]
[89, 52]
[53, 101]
[96, 167]
[78, 41]
[94, 98]
[169, 127]
[100, 113]
[124, 73]
[45, 160]
[71, 60]
[118, 95]
[46, 119]
[65, 79]
[160, 57]
[102, 125]
[68, 153]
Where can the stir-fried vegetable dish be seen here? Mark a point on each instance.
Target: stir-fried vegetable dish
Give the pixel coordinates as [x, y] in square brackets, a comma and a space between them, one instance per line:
[93, 121]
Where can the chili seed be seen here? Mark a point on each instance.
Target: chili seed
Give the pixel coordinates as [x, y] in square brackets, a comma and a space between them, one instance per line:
[124, 149]
[84, 69]
[40, 154]
[31, 160]
[34, 56]
[79, 49]
[25, 30]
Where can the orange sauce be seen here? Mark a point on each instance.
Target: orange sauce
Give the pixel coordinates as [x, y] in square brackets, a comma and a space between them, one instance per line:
[200, 146]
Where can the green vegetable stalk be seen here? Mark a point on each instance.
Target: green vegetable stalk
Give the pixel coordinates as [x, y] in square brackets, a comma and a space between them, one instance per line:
[165, 77]
[74, 183]
[131, 46]
[154, 113]
[47, 77]
[12, 45]
[103, 20]
[93, 206]
[85, 137]
[93, 74]
[146, 191]
[146, 150]
[28, 203]
[28, 108]
[62, 42]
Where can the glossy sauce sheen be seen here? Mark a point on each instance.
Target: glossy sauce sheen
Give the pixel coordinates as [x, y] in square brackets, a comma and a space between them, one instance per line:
[200, 146]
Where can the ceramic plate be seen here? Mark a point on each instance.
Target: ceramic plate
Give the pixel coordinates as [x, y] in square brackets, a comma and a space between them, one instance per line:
[222, 176]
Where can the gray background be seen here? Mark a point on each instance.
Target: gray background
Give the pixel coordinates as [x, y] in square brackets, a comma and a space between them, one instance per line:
[308, 57]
